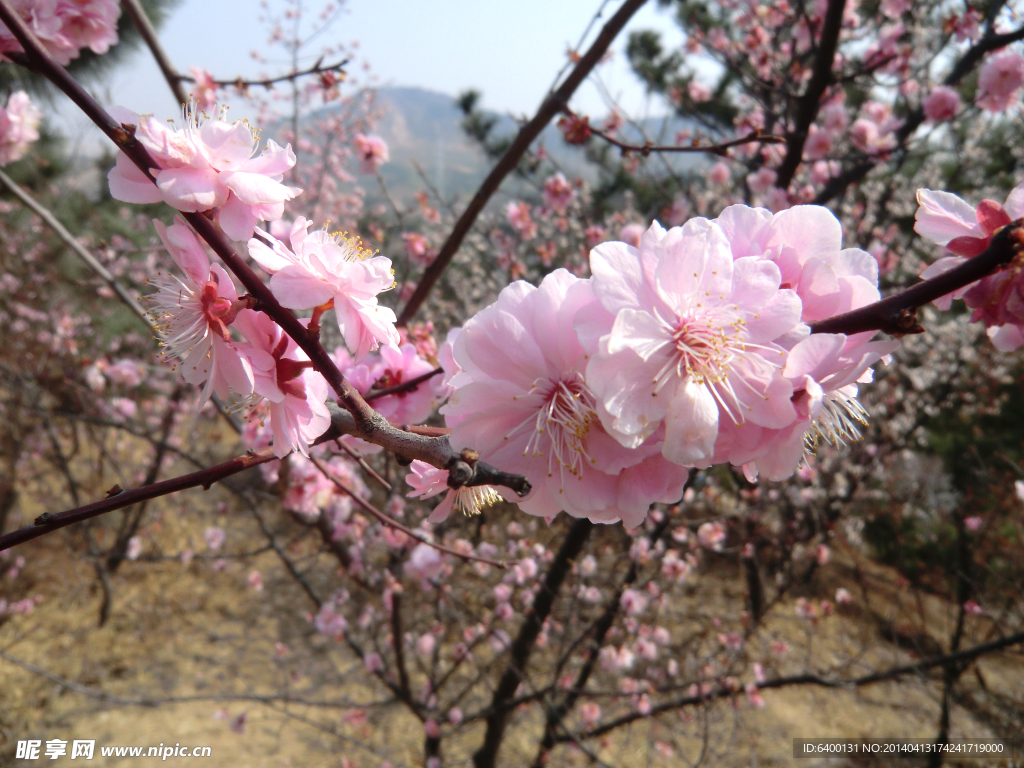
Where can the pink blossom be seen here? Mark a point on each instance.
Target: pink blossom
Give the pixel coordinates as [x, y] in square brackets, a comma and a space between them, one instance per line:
[698, 93]
[134, 548]
[427, 481]
[524, 403]
[588, 565]
[590, 713]
[130, 373]
[1001, 77]
[972, 607]
[947, 220]
[332, 624]
[761, 181]
[321, 269]
[972, 523]
[192, 317]
[631, 233]
[712, 536]
[19, 123]
[207, 165]
[64, 27]
[255, 581]
[966, 26]
[455, 716]
[283, 374]
[417, 248]
[396, 367]
[214, 538]
[942, 104]
[373, 152]
[558, 193]
[633, 602]
[754, 695]
[205, 90]
[518, 214]
[895, 8]
[818, 144]
[1018, 488]
[843, 596]
[373, 662]
[822, 554]
[720, 173]
[684, 337]
[425, 645]
[424, 563]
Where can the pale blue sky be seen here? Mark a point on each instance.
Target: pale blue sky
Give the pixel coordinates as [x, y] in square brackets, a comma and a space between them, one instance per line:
[509, 49]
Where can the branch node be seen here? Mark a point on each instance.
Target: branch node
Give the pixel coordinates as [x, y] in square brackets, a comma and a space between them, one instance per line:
[117, 489]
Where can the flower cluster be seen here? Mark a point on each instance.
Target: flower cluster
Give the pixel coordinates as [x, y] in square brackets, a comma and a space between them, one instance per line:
[208, 165]
[19, 124]
[689, 349]
[64, 27]
[996, 300]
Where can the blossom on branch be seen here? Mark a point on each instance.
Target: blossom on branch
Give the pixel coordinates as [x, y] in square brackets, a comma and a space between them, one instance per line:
[522, 401]
[192, 315]
[999, 81]
[207, 166]
[427, 481]
[998, 299]
[331, 270]
[284, 375]
[64, 27]
[373, 152]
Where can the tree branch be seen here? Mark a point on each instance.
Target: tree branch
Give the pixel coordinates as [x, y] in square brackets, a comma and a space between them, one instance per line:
[145, 27]
[722, 150]
[807, 106]
[522, 646]
[368, 424]
[554, 104]
[810, 679]
[897, 314]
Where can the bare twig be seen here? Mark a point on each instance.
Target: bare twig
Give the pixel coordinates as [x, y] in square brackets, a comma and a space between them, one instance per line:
[552, 105]
[722, 150]
[405, 386]
[145, 27]
[269, 82]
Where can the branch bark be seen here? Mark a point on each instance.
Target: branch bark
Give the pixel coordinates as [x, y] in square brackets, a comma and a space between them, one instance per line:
[807, 106]
[554, 104]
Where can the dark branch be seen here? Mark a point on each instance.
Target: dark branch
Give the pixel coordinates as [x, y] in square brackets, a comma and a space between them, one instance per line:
[807, 106]
[897, 314]
[722, 150]
[269, 82]
[405, 386]
[554, 104]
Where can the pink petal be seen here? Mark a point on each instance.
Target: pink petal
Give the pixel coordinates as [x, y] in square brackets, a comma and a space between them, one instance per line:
[130, 185]
[943, 216]
[191, 189]
[296, 288]
[237, 219]
[256, 189]
[691, 424]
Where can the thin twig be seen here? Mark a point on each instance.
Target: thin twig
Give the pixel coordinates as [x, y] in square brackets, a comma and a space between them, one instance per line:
[392, 523]
[145, 27]
[722, 150]
[405, 386]
[269, 82]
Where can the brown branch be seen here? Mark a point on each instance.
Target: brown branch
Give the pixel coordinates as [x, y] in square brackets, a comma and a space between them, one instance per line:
[552, 105]
[342, 423]
[396, 644]
[405, 386]
[269, 82]
[368, 424]
[522, 646]
[809, 679]
[142, 23]
[807, 106]
[722, 150]
[897, 314]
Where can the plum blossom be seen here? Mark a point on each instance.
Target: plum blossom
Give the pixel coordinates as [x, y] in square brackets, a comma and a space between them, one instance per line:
[321, 270]
[207, 165]
[524, 404]
[373, 152]
[192, 315]
[998, 299]
[941, 104]
[518, 214]
[712, 536]
[282, 373]
[631, 233]
[683, 336]
[205, 91]
[214, 538]
[427, 481]
[698, 93]
[64, 27]
[424, 563]
[417, 248]
[19, 123]
[1001, 77]
[396, 367]
[558, 193]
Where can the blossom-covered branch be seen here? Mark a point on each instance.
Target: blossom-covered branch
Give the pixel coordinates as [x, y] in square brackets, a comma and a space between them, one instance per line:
[369, 424]
[896, 314]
